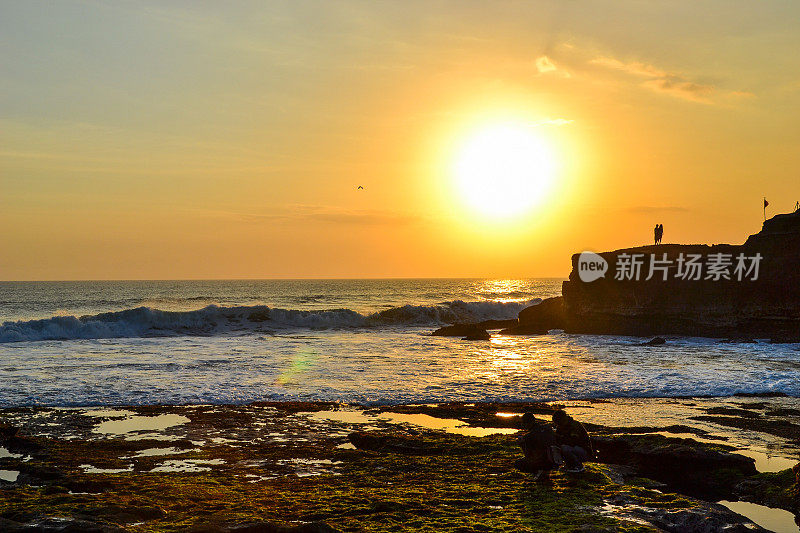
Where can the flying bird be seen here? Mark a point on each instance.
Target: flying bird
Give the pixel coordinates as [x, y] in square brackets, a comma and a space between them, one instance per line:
[360, 187]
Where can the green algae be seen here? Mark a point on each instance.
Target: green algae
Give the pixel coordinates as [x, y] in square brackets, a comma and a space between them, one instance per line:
[469, 487]
[446, 483]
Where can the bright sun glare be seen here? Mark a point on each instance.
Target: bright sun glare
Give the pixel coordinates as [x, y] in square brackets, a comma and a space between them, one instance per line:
[504, 170]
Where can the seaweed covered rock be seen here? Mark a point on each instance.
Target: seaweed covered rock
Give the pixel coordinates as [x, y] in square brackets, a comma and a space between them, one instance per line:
[57, 525]
[265, 527]
[683, 464]
[710, 519]
[394, 443]
[16, 443]
[772, 489]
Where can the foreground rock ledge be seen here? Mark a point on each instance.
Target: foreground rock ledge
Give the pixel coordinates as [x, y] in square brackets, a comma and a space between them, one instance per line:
[390, 478]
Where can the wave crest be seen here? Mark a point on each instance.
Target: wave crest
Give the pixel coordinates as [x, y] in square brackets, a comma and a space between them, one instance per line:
[217, 320]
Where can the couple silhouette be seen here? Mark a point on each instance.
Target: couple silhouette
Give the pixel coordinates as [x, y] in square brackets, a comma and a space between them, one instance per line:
[658, 232]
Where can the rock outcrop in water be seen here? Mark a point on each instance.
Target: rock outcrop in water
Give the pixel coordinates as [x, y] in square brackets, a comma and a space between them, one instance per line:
[735, 291]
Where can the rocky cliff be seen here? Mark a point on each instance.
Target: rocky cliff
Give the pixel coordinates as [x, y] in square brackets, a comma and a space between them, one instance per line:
[738, 291]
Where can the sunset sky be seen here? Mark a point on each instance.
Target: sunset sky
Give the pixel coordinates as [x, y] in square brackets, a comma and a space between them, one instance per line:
[180, 140]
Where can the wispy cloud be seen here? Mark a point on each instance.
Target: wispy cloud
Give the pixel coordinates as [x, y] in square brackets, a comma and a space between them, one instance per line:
[545, 65]
[634, 67]
[681, 88]
[670, 83]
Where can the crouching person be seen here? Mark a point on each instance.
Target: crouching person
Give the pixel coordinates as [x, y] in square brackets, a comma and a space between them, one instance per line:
[573, 440]
[539, 446]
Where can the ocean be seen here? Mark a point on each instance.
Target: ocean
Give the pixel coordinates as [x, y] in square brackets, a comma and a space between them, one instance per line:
[355, 341]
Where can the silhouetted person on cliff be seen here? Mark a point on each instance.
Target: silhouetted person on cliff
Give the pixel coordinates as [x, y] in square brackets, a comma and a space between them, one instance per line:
[655, 235]
[576, 445]
[659, 232]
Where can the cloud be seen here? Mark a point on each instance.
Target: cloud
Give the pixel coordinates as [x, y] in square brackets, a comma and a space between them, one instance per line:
[670, 83]
[545, 65]
[635, 67]
[675, 86]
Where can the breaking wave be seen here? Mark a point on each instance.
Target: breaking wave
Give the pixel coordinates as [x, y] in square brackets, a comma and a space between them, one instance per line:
[217, 320]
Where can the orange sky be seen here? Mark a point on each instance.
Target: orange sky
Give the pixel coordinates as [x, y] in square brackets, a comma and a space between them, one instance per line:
[227, 140]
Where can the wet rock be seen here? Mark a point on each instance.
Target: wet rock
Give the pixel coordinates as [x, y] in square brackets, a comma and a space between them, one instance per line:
[683, 464]
[455, 330]
[656, 341]
[390, 443]
[294, 406]
[478, 335]
[781, 428]
[587, 528]
[57, 525]
[772, 489]
[498, 324]
[732, 411]
[20, 444]
[88, 485]
[265, 527]
[710, 518]
[10, 525]
[7, 431]
[693, 516]
[783, 412]
[540, 318]
[135, 512]
[55, 489]
[467, 329]
[33, 473]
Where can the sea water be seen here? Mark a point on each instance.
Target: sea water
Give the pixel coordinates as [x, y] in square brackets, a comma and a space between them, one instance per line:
[364, 341]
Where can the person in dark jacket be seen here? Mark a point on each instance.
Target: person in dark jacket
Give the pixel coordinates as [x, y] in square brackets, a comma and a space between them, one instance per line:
[539, 446]
[573, 440]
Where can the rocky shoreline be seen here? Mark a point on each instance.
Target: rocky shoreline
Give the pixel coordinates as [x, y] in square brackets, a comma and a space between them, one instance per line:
[320, 467]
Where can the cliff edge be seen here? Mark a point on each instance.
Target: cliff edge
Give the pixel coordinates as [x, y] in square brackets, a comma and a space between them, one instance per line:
[737, 291]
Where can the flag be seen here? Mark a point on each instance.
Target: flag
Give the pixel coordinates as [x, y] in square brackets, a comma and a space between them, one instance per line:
[766, 203]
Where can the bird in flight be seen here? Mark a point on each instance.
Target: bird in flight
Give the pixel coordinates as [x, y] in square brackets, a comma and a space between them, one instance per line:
[360, 187]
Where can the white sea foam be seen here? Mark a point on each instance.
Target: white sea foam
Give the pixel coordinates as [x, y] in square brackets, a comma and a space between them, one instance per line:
[343, 340]
[215, 320]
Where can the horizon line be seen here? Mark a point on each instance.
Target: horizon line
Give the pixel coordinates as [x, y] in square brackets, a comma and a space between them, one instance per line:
[282, 279]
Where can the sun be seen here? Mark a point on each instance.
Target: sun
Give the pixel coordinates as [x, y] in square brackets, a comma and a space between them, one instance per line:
[504, 170]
